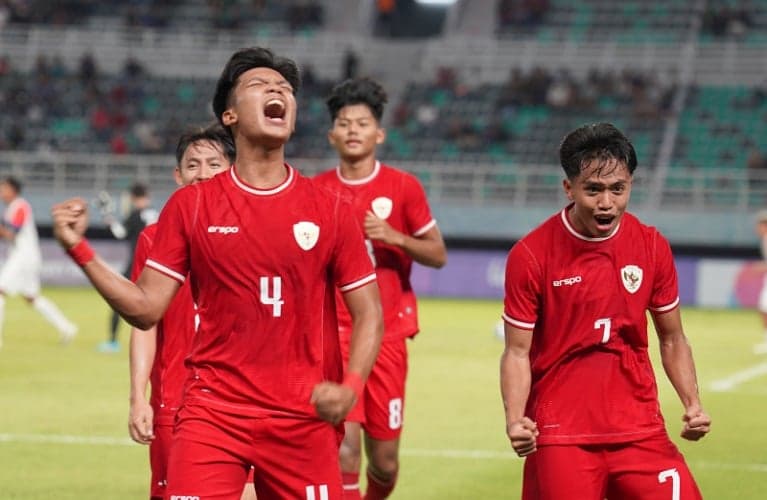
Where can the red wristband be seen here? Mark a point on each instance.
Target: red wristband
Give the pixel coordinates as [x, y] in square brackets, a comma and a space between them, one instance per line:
[355, 383]
[82, 253]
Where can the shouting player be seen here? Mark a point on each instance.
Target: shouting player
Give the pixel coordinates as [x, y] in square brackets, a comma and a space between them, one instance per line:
[579, 391]
[264, 249]
[392, 209]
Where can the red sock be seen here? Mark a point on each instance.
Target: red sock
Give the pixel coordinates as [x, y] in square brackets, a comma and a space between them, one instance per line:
[378, 490]
[351, 482]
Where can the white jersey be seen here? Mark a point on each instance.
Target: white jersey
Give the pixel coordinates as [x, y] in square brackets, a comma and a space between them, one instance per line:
[20, 272]
[19, 218]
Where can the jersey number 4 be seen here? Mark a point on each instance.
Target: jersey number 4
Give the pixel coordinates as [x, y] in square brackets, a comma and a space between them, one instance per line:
[272, 297]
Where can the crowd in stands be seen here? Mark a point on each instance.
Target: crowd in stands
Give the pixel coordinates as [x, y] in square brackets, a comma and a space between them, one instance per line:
[524, 14]
[295, 15]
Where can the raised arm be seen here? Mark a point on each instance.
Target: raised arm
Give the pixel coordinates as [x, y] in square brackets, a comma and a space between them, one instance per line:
[515, 389]
[141, 304]
[427, 249]
[679, 366]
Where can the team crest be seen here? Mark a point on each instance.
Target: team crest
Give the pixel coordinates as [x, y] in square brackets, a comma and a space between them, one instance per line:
[306, 234]
[382, 207]
[632, 277]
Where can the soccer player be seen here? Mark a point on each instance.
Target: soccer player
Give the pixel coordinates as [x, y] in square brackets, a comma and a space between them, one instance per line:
[578, 389]
[761, 232]
[140, 216]
[158, 354]
[20, 273]
[392, 209]
[264, 249]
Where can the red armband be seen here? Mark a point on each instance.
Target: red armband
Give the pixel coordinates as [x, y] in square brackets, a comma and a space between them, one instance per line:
[82, 253]
[355, 383]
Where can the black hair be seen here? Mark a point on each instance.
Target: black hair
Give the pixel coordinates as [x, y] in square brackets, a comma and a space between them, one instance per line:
[357, 91]
[13, 182]
[139, 190]
[214, 134]
[244, 60]
[600, 141]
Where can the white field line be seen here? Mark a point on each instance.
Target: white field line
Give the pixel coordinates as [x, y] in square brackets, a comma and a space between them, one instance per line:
[730, 382]
[408, 452]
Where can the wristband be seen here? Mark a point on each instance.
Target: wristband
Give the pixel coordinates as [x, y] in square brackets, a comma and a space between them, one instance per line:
[82, 253]
[355, 383]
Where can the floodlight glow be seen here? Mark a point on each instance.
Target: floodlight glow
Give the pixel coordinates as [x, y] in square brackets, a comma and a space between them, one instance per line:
[436, 2]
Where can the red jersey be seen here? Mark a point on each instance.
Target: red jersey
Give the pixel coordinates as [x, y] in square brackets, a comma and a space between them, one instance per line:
[585, 299]
[398, 198]
[174, 339]
[263, 266]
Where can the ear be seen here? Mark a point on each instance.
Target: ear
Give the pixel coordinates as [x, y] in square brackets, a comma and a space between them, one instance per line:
[229, 117]
[568, 188]
[380, 135]
[177, 175]
[331, 140]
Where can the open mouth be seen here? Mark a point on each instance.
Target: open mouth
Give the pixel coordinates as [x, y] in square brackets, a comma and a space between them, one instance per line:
[604, 221]
[274, 109]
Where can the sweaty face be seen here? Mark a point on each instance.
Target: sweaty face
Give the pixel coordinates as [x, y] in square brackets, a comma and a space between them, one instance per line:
[201, 161]
[600, 195]
[355, 132]
[262, 107]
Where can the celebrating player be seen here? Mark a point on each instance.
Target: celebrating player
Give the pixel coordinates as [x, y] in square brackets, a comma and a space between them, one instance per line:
[20, 273]
[264, 249]
[158, 354]
[392, 209]
[579, 391]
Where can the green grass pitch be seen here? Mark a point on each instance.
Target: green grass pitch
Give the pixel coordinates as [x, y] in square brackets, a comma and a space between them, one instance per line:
[63, 409]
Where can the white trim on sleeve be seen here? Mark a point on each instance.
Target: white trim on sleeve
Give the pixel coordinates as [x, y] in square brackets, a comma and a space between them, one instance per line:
[356, 284]
[165, 270]
[519, 324]
[666, 308]
[425, 228]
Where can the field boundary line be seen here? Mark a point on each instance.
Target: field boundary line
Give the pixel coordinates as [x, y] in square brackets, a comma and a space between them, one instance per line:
[730, 382]
[461, 454]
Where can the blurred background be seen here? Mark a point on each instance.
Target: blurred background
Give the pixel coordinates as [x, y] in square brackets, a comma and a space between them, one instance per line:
[95, 93]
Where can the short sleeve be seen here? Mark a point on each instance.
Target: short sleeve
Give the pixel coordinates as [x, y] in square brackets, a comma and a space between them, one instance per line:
[170, 252]
[18, 216]
[522, 286]
[140, 255]
[417, 212]
[665, 290]
[352, 267]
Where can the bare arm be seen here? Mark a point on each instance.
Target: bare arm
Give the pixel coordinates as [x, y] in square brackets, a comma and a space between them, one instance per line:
[6, 233]
[427, 249]
[679, 366]
[143, 345]
[334, 401]
[515, 389]
[143, 303]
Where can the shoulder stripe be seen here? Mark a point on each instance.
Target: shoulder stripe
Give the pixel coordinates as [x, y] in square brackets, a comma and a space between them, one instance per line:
[519, 324]
[666, 308]
[425, 228]
[356, 284]
[165, 270]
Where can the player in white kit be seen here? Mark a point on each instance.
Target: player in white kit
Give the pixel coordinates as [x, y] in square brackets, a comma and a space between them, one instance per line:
[20, 273]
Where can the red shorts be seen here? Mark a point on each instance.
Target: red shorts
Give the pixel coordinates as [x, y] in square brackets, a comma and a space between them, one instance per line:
[292, 458]
[381, 410]
[650, 469]
[159, 449]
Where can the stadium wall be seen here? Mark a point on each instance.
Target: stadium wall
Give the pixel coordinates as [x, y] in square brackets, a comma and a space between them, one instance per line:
[479, 274]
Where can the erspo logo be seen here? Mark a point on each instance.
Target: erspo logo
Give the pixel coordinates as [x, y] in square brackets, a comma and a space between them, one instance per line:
[184, 497]
[567, 281]
[223, 229]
